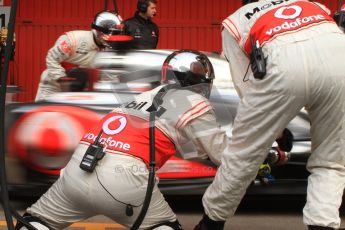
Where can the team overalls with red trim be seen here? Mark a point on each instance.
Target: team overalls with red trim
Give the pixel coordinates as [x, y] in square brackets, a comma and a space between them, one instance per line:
[123, 133]
[277, 21]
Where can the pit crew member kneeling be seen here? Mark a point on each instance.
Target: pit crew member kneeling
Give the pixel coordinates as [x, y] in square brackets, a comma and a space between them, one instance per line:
[115, 184]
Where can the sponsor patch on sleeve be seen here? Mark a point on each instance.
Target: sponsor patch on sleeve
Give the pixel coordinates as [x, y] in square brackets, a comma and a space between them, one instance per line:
[65, 47]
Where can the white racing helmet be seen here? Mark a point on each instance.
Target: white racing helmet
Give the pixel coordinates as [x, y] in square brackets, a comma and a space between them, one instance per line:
[108, 29]
[188, 68]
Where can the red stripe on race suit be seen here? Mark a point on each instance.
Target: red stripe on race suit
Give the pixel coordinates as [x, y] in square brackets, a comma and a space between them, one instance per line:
[286, 19]
[199, 108]
[231, 27]
[130, 135]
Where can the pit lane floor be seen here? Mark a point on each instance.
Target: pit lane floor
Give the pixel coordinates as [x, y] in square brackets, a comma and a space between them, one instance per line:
[254, 213]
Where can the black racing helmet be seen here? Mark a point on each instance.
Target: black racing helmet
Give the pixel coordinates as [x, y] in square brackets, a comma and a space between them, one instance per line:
[188, 68]
[109, 30]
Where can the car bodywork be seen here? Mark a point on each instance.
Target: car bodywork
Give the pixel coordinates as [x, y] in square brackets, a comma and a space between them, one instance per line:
[42, 136]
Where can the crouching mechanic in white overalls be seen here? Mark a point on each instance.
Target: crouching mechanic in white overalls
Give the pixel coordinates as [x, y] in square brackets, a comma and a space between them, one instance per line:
[119, 180]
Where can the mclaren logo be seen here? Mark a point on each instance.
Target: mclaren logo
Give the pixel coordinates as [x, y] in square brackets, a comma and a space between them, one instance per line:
[264, 7]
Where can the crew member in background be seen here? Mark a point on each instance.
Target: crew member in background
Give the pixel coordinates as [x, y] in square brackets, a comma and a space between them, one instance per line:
[116, 186]
[141, 26]
[296, 53]
[78, 48]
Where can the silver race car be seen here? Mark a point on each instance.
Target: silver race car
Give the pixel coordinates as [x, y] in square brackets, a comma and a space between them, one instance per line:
[42, 136]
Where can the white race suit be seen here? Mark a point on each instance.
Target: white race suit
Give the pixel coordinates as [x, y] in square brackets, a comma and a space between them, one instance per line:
[74, 47]
[120, 178]
[304, 51]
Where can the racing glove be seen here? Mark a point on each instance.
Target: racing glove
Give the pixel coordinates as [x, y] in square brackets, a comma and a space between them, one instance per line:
[207, 224]
[339, 18]
[76, 79]
[285, 141]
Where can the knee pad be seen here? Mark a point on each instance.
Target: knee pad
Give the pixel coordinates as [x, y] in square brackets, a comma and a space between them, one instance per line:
[34, 221]
[167, 226]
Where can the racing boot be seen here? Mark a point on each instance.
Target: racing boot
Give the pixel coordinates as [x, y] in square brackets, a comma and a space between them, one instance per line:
[208, 224]
[167, 226]
[35, 222]
[314, 227]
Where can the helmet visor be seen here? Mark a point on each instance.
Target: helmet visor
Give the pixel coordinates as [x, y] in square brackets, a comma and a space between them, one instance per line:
[187, 68]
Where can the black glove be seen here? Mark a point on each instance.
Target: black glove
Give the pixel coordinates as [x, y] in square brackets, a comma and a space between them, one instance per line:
[339, 17]
[336, 17]
[76, 78]
[285, 142]
[207, 224]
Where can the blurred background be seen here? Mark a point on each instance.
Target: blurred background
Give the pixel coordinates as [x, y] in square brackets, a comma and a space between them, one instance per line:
[183, 24]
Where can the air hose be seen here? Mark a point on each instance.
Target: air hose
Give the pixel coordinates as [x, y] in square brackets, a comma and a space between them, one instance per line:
[9, 212]
[4, 74]
[151, 180]
[155, 110]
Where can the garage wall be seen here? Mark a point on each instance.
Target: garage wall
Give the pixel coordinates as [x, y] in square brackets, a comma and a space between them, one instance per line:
[183, 24]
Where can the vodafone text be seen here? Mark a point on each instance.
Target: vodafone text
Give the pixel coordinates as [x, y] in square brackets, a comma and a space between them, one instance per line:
[298, 22]
[109, 142]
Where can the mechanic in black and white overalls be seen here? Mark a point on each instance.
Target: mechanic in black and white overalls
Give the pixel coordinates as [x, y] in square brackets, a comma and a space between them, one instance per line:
[304, 51]
[119, 180]
[79, 48]
[142, 27]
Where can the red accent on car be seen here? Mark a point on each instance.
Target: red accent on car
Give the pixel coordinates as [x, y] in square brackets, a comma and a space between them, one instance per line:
[177, 167]
[120, 38]
[45, 138]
